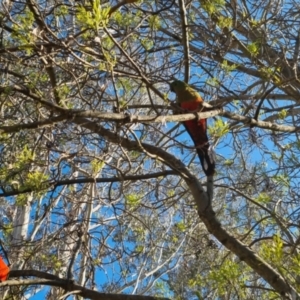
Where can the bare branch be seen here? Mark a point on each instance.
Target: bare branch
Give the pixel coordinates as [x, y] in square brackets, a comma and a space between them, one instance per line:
[68, 285]
[185, 40]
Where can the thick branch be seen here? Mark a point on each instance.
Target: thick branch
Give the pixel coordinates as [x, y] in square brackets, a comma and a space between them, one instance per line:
[117, 117]
[70, 286]
[247, 255]
[127, 119]
[205, 210]
[206, 213]
[185, 40]
[261, 124]
[55, 184]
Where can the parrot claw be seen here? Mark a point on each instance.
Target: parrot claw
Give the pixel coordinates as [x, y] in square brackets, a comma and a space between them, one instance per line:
[163, 121]
[128, 117]
[198, 118]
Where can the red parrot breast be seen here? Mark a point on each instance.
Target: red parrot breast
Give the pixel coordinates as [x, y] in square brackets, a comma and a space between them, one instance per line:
[196, 128]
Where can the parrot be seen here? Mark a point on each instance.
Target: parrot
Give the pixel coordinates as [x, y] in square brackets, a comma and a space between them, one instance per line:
[189, 99]
[4, 270]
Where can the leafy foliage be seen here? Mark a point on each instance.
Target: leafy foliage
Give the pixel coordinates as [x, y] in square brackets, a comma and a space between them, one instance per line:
[97, 185]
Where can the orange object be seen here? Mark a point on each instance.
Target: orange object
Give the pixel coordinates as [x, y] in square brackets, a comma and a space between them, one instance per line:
[190, 100]
[4, 270]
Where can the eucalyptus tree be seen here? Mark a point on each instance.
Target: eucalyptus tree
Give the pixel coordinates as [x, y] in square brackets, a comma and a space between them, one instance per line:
[102, 193]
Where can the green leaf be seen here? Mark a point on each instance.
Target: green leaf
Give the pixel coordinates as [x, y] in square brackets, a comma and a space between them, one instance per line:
[219, 128]
[282, 179]
[282, 114]
[35, 180]
[97, 166]
[224, 22]
[228, 68]
[154, 22]
[94, 18]
[228, 162]
[253, 48]
[263, 198]
[181, 226]
[133, 199]
[147, 44]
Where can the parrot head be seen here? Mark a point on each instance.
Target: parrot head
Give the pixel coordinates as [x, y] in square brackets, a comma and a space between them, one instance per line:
[178, 85]
[184, 92]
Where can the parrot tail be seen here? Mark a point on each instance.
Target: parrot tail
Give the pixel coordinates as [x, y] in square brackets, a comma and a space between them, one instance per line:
[206, 156]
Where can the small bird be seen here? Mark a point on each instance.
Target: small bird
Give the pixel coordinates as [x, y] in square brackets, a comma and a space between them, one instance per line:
[4, 270]
[189, 99]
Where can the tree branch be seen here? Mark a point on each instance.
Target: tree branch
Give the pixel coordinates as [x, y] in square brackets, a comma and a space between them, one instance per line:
[185, 40]
[261, 124]
[205, 211]
[117, 117]
[55, 184]
[52, 280]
